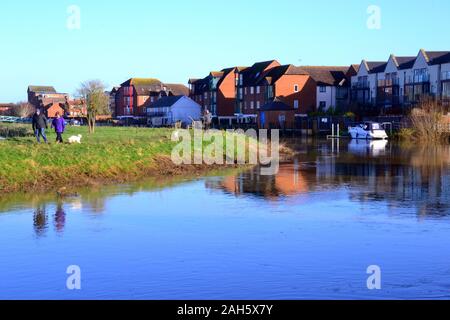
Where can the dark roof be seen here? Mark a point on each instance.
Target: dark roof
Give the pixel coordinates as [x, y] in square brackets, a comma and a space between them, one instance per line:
[165, 102]
[437, 57]
[405, 62]
[331, 76]
[251, 76]
[42, 89]
[275, 105]
[376, 66]
[177, 89]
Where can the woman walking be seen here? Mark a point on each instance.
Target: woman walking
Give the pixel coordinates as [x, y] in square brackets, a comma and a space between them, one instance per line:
[59, 124]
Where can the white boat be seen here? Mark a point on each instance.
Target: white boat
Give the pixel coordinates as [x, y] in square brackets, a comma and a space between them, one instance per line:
[368, 131]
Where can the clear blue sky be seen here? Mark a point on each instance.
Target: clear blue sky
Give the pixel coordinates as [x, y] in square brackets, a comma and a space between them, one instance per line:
[174, 40]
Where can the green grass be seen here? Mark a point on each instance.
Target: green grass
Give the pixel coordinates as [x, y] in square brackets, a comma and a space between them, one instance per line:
[110, 155]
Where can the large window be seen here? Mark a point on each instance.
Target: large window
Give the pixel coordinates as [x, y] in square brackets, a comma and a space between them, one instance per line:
[323, 89]
[421, 75]
[446, 90]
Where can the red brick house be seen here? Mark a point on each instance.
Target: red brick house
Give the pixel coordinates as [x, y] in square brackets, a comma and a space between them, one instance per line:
[269, 81]
[45, 97]
[242, 91]
[5, 108]
[136, 94]
[216, 92]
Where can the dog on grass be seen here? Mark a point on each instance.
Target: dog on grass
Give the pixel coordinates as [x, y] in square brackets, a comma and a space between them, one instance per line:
[75, 139]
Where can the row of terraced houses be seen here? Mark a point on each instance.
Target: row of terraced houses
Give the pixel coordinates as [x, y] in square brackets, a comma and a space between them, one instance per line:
[268, 89]
[271, 93]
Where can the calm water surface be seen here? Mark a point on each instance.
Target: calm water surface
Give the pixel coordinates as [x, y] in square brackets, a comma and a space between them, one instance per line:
[308, 233]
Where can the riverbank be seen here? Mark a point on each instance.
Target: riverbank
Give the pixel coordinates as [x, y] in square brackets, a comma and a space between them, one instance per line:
[112, 155]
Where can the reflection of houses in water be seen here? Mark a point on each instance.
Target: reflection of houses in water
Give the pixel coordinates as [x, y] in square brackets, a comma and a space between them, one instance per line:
[410, 177]
[417, 176]
[288, 181]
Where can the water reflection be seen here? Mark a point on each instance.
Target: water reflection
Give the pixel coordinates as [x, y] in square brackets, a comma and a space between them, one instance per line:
[60, 218]
[370, 171]
[40, 221]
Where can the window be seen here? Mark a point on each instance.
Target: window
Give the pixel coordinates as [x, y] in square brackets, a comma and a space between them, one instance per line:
[241, 79]
[206, 95]
[252, 90]
[252, 105]
[258, 105]
[323, 89]
[245, 90]
[295, 104]
[322, 105]
[258, 89]
[296, 88]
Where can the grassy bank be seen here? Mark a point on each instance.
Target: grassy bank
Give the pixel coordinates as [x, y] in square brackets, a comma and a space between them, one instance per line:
[112, 155]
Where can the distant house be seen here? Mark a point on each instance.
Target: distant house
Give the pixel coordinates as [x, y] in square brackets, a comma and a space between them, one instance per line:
[333, 85]
[169, 110]
[136, 94]
[5, 108]
[47, 99]
[276, 115]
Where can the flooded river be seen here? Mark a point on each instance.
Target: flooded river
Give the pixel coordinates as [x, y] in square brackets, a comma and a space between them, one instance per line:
[310, 232]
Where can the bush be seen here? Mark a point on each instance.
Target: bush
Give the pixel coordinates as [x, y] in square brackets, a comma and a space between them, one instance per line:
[428, 121]
[15, 131]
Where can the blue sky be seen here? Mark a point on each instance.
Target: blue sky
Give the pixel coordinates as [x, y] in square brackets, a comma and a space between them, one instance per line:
[174, 40]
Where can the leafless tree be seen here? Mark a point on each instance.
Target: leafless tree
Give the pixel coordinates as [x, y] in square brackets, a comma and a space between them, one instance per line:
[97, 102]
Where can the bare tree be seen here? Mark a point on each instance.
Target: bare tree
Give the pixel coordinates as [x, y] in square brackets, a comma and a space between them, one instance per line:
[97, 102]
[23, 110]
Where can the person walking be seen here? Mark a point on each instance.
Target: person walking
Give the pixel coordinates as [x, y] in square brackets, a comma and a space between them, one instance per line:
[39, 125]
[59, 124]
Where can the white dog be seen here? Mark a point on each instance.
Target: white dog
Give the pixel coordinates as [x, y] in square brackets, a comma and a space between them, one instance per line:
[75, 139]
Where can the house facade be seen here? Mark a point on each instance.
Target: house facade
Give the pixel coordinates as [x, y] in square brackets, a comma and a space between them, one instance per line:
[333, 86]
[216, 92]
[169, 110]
[399, 83]
[240, 92]
[135, 95]
[46, 98]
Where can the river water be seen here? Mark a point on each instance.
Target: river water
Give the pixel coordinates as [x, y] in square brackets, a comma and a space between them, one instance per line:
[310, 232]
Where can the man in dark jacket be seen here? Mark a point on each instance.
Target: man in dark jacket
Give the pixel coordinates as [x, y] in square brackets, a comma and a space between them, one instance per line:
[39, 125]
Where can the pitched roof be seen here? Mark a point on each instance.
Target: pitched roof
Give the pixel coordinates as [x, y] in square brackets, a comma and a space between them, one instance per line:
[165, 102]
[437, 57]
[404, 62]
[274, 74]
[275, 105]
[141, 82]
[42, 89]
[177, 89]
[251, 76]
[376, 66]
[323, 75]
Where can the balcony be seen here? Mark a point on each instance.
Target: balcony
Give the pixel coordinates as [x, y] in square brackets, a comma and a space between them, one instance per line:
[445, 76]
[361, 85]
[424, 78]
[389, 82]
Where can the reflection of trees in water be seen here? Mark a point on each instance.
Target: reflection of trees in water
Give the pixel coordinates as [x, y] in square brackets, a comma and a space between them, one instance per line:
[405, 176]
